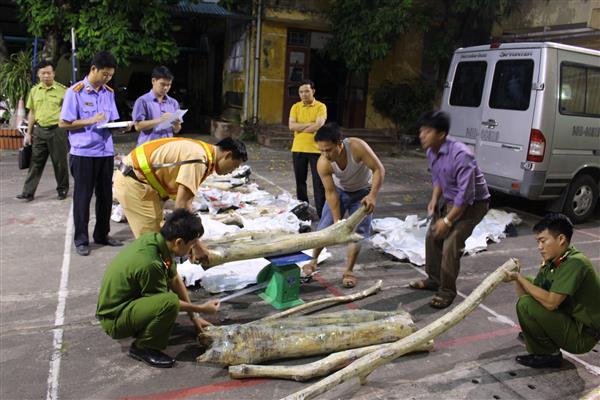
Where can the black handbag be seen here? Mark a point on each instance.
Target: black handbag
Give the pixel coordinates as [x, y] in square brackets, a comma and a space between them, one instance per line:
[25, 156]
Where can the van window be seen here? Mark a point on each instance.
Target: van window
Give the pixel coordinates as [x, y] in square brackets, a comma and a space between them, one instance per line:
[468, 84]
[511, 88]
[579, 90]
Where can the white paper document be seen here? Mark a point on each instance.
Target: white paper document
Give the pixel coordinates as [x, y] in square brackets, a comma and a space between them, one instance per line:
[169, 122]
[115, 125]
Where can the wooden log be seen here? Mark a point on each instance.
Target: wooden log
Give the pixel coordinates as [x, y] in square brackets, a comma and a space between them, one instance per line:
[363, 367]
[308, 371]
[250, 343]
[327, 300]
[341, 232]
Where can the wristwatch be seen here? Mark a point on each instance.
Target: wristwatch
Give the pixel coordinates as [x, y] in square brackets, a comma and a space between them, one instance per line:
[447, 222]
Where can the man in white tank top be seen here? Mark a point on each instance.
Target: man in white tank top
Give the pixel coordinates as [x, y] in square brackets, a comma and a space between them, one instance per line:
[352, 176]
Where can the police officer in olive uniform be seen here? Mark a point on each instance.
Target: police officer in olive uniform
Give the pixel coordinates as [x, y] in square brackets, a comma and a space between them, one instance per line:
[559, 309]
[134, 295]
[44, 105]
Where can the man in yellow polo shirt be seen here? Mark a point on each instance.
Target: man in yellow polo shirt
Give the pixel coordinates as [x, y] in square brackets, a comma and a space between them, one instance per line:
[306, 117]
[44, 104]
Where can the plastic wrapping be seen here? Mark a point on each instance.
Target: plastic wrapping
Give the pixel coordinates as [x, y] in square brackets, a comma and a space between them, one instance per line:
[302, 336]
[405, 240]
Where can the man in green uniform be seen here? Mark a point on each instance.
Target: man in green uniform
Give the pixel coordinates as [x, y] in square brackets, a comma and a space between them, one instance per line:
[135, 300]
[559, 309]
[44, 104]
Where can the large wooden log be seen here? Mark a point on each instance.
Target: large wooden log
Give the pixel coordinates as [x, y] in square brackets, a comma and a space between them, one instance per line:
[308, 371]
[363, 367]
[300, 337]
[327, 300]
[339, 233]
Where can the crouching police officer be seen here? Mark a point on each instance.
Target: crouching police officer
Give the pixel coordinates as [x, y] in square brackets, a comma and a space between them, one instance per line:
[135, 300]
[559, 309]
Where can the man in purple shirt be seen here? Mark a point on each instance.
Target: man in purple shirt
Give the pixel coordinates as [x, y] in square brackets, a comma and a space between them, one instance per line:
[155, 107]
[87, 105]
[459, 202]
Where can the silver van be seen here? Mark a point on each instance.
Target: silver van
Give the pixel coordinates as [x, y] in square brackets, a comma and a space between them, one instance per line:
[531, 114]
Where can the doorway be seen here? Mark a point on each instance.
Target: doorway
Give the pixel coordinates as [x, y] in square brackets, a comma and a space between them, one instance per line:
[343, 92]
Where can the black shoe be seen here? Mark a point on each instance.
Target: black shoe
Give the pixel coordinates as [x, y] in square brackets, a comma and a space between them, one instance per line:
[62, 195]
[109, 242]
[83, 250]
[540, 361]
[153, 358]
[26, 197]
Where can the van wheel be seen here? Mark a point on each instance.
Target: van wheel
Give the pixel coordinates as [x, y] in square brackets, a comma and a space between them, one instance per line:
[581, 199]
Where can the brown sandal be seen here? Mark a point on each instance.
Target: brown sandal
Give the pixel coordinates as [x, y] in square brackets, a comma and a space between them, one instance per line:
[423, 284]
[440, 302]
[348, 280]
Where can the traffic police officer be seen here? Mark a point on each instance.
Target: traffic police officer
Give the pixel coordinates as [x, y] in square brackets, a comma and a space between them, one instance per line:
[170, 168]
[87, 105]
[134, 297]
[44, 103]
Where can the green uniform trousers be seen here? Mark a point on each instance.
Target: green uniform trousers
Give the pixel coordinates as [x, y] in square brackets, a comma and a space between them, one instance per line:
[52, 142]
[546, 332]
[148, 319]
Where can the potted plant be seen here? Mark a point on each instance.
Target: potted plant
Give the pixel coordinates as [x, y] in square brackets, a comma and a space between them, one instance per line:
[15, 82]
[15, 79]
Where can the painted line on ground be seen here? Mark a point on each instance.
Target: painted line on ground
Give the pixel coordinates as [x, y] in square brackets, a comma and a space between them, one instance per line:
[476, 338]
[586, 233]
[63, 291]
[530, 248]
[200, 390]
[333, 290]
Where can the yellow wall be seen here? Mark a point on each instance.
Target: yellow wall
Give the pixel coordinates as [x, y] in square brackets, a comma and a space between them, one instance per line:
[272, 66]
[404, 63]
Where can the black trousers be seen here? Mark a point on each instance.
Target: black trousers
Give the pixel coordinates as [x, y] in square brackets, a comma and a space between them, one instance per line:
[301, 163]
[91, 175]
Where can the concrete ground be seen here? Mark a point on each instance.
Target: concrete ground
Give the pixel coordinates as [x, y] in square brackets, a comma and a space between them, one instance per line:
[51, 345]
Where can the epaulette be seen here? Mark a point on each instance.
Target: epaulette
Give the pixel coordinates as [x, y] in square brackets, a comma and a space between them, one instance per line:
[78, 86]
[109, 88]
[60, 85]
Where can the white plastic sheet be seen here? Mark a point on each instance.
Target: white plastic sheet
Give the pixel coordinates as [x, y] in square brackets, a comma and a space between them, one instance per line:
[405, 240]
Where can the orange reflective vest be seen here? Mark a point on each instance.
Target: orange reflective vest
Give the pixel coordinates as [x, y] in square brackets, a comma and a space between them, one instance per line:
[142, 155]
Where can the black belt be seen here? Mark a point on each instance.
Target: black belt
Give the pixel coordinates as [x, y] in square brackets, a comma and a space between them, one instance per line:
[128, 171]
[49, 127]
